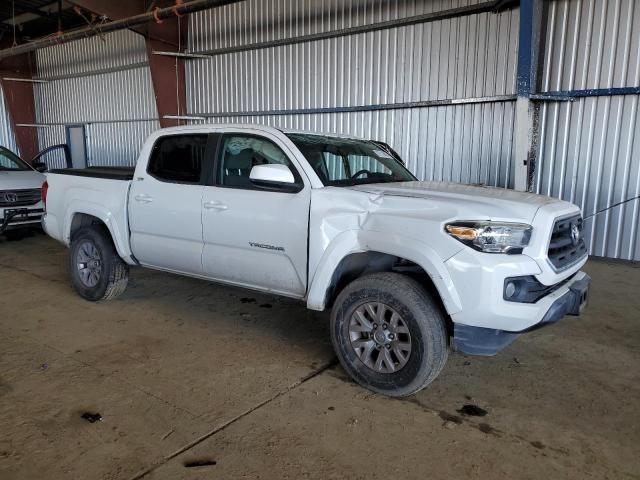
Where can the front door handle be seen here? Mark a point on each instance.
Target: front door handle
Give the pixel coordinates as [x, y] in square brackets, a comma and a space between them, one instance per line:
[143, 198]
[214, 205]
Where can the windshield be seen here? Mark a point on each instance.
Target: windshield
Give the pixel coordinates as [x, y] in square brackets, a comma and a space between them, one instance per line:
[10, 161]
[345, 162]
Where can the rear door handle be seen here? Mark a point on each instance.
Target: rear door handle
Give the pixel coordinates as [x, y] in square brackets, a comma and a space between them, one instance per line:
[143, 198]
[214, 205]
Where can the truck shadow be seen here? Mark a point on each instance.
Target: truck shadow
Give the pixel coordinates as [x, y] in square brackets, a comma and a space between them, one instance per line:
[204, 303]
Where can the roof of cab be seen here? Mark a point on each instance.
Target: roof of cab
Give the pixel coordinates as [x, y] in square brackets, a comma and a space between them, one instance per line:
[249, 126]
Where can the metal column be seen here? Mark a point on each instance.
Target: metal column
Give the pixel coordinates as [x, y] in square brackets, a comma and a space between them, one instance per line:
[526, 123]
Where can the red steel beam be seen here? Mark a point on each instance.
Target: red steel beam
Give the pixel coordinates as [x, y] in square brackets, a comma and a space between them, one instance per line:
[168, 73]
[170, 35]
[18, 98]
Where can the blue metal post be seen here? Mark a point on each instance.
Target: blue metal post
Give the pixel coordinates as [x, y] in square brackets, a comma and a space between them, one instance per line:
[526, 125]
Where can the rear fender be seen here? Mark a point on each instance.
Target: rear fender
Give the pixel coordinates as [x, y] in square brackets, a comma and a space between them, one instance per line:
[119, 237]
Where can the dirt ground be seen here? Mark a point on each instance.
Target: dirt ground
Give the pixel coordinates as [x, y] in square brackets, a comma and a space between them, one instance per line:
[193, 380]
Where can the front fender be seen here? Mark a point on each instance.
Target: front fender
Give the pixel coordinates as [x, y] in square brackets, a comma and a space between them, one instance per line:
[356, 241]
[100, 212]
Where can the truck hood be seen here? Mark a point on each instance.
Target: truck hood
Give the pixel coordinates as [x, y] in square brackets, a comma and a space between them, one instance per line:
[478, 202]
[20, 179]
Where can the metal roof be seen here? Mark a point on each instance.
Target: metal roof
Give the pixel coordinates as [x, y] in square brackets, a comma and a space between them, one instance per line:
[35, 18]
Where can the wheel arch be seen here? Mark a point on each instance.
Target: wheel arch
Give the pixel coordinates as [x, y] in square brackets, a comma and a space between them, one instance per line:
[90, 214]
[353, 254]
[79, 220]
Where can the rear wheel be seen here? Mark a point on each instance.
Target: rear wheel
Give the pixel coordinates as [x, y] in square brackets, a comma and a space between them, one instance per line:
[389, 334]
[97, 271]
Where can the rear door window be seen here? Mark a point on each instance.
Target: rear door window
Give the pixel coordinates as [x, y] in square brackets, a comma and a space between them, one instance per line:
[178, 158]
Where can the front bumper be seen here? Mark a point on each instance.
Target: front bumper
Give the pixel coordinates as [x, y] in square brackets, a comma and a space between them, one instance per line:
[12, 218]
[478, 278]
[474, 340]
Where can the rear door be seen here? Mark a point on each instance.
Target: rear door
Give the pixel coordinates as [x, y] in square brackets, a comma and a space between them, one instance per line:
[165, 205]
[253, 236]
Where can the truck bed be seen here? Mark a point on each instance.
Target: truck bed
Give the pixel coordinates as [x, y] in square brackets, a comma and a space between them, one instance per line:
[101, 192]
[111, 173]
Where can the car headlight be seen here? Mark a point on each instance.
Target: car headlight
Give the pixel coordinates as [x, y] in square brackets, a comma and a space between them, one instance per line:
[491, 237]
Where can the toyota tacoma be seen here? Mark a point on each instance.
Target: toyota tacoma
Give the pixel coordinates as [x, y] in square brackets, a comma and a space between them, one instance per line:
[409, 269]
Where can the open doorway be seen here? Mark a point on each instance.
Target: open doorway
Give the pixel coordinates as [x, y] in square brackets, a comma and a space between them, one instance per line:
[77, 142]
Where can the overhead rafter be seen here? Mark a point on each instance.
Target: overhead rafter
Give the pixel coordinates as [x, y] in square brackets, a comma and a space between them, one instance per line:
[130, 21]
[33, 11]
[165, 30]
[37, 18]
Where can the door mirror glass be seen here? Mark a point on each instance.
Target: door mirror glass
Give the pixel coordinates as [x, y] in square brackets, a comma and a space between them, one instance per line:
[271, 173]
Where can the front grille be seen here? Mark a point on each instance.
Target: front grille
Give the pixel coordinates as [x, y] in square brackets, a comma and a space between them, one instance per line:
[24, 216]
[19, 198]
[567, 245]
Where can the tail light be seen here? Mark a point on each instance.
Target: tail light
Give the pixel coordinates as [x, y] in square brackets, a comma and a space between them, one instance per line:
[43, 193]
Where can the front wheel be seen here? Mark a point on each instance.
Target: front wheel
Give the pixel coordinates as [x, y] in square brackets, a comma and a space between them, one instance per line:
[97, 271]
[389, 334]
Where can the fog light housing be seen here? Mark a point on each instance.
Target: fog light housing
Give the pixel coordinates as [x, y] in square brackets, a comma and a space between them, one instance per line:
[527, 289]
[510, 290]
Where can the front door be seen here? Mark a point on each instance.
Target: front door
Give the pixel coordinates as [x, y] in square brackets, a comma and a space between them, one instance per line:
[255, 237]
[165, 206]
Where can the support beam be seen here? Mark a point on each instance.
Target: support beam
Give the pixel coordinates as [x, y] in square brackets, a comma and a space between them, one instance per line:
[571, 95]
[168, 74]
[170, 35]
[18, 98]
[532, 13]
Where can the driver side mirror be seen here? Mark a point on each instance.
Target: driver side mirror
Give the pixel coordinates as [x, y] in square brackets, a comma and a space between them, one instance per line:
[39, 166]
[274, 176]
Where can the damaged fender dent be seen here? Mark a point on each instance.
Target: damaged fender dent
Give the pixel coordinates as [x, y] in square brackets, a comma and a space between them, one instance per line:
[355, 223]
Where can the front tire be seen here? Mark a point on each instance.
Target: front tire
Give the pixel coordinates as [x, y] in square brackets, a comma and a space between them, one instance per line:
[389, 334]
[97, 271]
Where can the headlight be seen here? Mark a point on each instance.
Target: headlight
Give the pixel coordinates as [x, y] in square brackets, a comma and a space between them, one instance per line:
[491, 237]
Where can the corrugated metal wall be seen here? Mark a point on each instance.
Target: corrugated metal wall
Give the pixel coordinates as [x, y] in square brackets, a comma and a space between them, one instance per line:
[459, 58]
[7, 138]
[590, 148]
[117, 107]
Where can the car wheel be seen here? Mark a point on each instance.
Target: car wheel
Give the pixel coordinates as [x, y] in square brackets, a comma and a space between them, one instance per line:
[97, 271]
[389, 334]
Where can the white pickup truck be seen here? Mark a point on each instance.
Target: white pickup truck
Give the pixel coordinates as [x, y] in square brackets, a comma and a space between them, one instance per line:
[408, 268]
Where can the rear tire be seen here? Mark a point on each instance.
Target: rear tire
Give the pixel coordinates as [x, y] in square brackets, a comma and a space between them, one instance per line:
[389, 334]
[97, 271]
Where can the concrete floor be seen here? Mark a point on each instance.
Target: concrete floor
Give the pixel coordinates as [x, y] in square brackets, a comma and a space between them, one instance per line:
[186, 373]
